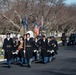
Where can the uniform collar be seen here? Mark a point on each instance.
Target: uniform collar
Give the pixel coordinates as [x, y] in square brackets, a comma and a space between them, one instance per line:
[8, 39]
[28, 39]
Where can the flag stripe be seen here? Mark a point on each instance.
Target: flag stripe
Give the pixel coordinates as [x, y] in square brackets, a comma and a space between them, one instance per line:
[36, 29]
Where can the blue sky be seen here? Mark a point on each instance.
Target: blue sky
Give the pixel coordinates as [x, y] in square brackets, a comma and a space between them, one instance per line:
[70, 1]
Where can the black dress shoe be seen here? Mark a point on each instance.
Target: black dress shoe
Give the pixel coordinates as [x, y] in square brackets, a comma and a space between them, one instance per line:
[44, 63]
[21, 65]
[8, 66]
[29, 66]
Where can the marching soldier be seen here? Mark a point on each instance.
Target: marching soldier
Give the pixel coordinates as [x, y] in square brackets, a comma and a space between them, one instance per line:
[63, 38]
[72, 39]
[49, 49]
[21, 50]
[54, 46]
[36, 49]
[8, 47]
[44, 50]
[29, 49]
[15, 52]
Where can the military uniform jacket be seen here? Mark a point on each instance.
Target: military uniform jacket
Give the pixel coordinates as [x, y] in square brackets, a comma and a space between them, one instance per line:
[16, 44]
[15, 53]
[29, 48]
[72, 38]
[44, 48]
[8, 47]
[63, 38]
[21, 50]
[37, 44]
[54, 45]
[49, 46]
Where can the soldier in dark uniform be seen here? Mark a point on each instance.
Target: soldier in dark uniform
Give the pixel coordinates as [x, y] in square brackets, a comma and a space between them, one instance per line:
[54, 46]
[36, 49]
[49, 49]
[29, 49]
[8, 47]
[44, 50]
[63, 38]
[21, 50]
[72, 39]
[15, 50]
[13, 54]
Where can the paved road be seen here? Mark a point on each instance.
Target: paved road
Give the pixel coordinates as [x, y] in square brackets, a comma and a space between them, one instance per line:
[64, 64]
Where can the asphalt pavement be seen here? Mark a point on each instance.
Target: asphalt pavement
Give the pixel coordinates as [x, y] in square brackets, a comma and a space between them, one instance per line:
[64, 64]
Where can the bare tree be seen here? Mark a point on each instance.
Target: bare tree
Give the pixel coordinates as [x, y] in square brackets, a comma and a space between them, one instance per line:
[57, 16]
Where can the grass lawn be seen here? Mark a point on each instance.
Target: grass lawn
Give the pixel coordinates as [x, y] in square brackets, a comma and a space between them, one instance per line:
[58, 39]
[1, 57]
[0, 49]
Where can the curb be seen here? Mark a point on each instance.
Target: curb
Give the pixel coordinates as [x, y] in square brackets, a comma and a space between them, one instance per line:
[2, 60]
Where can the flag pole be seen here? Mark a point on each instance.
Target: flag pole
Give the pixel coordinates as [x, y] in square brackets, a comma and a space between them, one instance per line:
[42, 23]
[24, 31]
[24, 41]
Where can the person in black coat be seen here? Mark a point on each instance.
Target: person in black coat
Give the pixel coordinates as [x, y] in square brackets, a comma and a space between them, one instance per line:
[44, 49]
[54, 46]
[36, 49]
[8, 47]
[72, 39]
[29, 49]
[21, 50]
[15, 50]
[63, 39]
[49, 49]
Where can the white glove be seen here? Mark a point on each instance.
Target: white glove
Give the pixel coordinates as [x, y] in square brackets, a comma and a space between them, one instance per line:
[52, 50]
[13, 52]
[24, 51]
[2, 50]
[35, 50]
[17, 51]
[48, 51]
[54, 45]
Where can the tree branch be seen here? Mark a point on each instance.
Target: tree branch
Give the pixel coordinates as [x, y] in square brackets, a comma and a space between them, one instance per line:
[9, 20]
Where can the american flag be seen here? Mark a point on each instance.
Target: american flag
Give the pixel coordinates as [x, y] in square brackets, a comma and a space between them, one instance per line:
[36, 30]
[25, 23]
